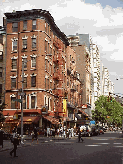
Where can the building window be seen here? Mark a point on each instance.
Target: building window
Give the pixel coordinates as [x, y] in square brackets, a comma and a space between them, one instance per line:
[14, 27]
[45, 45]
[33, 101]
[1, 56]
[33, 24]
[15, 45]
[14, 63]
[24, 43]
[13, 103]
[33, 43]
[48, 28]
[33, 61]
[33, 81]
[45, 27]
[13, 82]
[25, 62]
[25, 83]
[45, 83]
[0, 74]
[24, 25]
[24, 102]
[48, 83]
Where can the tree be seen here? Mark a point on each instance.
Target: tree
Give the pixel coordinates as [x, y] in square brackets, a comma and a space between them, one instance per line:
[2, 106]
[107, 111]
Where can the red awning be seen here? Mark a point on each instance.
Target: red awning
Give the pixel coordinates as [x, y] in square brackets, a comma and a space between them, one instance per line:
[52, 119]
[11, 120]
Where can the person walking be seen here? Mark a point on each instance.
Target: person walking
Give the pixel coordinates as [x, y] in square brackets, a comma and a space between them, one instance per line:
[80, 136]
[15, 141]
[36, 134]
[1, 137]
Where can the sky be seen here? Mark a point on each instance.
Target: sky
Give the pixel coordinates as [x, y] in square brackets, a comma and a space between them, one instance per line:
[101, 19]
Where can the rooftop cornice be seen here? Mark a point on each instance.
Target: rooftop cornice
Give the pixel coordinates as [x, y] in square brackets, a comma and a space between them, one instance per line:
[37, 13]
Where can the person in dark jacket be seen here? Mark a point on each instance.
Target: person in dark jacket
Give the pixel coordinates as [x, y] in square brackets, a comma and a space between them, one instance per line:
[15, 143]
[80, 136]
[1, 137]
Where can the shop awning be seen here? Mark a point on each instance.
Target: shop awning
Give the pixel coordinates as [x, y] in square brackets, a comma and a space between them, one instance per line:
[11, 120]
[52, 119]
[30, 120]
[84, 113]
[77, 116]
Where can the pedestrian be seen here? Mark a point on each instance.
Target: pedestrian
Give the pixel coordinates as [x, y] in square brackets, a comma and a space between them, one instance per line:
[36, 134]
[32, 134]
[57, 131]
[64, 133]
[15, 141]
[1, 137]
[80, 136]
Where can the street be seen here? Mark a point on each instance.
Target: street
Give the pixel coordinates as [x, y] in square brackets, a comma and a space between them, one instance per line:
[102, 149]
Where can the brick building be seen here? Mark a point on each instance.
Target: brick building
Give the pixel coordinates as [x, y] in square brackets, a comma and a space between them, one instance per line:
[34, 40]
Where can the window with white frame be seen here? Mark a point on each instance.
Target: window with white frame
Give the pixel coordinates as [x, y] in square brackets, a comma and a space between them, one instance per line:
[14, 63]
[33, 24]
[24, 43]
[1, 56]
[25, 25]
[13, 82]
[25, 83]
[15, 27]
[33, 61]
[33, 102]
[33, 43]
[24, 102]
[33, 81]
[24, 60]
[14, 48]
[13, 103]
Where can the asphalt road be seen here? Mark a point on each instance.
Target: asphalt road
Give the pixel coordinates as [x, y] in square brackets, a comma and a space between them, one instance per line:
[103, 149]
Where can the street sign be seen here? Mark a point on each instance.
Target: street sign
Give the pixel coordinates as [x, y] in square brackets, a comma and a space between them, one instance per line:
[18, 100]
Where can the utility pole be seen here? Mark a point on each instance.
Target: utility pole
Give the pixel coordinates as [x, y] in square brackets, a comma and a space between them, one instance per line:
[22, 94]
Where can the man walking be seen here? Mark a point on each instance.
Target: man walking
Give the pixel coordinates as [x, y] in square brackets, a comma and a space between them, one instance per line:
[15, 142]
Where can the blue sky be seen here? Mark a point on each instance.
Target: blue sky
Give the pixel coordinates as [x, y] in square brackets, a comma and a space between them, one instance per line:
[102, 19]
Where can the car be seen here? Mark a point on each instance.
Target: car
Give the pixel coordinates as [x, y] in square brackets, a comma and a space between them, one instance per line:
[95, 131]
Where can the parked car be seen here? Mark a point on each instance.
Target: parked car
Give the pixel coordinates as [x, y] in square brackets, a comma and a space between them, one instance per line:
[95, 131]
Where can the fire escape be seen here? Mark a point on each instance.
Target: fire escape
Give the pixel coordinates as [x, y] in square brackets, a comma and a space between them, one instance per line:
[58, 77]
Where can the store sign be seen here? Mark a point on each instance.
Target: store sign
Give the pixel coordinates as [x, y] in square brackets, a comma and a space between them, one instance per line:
[44, 109]
[64, 105]
[84, 106]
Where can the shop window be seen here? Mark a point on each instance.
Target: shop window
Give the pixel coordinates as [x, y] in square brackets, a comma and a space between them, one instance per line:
[15, 27]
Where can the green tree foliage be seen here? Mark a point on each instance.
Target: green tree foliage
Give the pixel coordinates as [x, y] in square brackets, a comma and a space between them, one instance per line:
[2, 106]
[108, 111]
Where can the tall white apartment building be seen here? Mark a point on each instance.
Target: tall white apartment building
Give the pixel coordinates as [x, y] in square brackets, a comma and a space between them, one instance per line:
[107, 84]
[95, 68]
